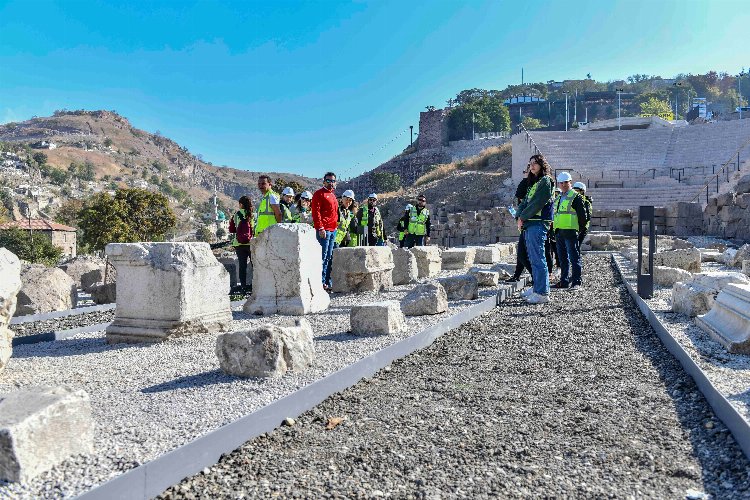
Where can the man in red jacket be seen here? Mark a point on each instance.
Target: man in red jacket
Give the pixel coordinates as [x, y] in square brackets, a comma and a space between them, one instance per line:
[325, 214]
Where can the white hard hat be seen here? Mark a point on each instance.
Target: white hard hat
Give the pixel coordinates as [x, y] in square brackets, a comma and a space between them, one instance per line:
[373, 196]
[580, 185]
[287, 192]
[349, 194]
[563, 177]
[408, 206]
[306, 195]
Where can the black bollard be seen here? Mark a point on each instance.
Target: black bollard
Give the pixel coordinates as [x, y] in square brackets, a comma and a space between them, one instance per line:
[646, 281]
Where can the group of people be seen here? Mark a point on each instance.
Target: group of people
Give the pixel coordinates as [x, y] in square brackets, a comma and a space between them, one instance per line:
[553, 222]
[339, 222]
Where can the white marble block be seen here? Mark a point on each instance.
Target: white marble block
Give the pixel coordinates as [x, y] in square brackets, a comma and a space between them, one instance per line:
[404, 267]
[267, 351]
[485, 277]
[362, 269]
[428, 261]
[668, 276]
[429, 298]
[487, 255]
[287, 272]
[728, 321]
[379, 318]
[167, 290]
[697, 295]
[464, 287]
[40, 427]
[10, 284]
[457, 258]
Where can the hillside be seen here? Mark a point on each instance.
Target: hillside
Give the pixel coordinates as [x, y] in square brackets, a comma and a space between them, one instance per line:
[120, 155]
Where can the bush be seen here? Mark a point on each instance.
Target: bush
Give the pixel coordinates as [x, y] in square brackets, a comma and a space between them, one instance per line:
[35, 247]
[385, 182]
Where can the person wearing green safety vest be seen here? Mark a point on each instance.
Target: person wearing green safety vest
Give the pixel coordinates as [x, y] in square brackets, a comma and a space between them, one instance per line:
[346, 217]
[269, 212]
[402, 225]
[570, 229]
[370, 223]
[580, 188]
[287, 202]
[418, 224]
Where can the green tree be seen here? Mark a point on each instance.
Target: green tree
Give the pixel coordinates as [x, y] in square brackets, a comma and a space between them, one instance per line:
[86, 172]
[655, 107]
[68, 212]
[220, 233]
[204, 234]
[531, 123]
[131, 215]
[386, 181]
[34, 247]
[280, 183]
[107, 142]
[40, 158]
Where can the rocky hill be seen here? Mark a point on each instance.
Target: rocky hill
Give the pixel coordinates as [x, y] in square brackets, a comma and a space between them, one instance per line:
[116, 154]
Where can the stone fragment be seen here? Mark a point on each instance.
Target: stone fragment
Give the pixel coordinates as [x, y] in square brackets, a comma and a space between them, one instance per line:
[10, 284]
[688, 259]
[504, 270]
[485, 277]
[103, 293]
[428, 261]
[41, 427]
[78, 266]
[599, 241]
[167, 290]
[287, 272]
[44, 289]
[464, 287]
[457, 258]
[728, 257]
[697, 295]
[380, 318]
[487, 255]
[746, 267]
[91, 278]
[710, 255]
[668, 276]
[429, 298]
[362, 269]
[404, 267]
[267, 351]
[728, 321]
[743, 185]
[742, 254]
[680, 244]
[507, 250]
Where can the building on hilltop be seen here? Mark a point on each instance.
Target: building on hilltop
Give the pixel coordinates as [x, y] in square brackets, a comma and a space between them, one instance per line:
[433, 129]
[61, 235]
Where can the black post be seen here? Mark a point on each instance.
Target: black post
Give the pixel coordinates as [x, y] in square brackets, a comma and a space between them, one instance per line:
[717, 183]
[646, 281]
[411, 133]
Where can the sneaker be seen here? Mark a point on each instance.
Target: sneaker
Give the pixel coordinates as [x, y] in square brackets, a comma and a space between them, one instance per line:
[512, 279]
[574, 288]
[559, 285]
[535, 298]
[527, 292]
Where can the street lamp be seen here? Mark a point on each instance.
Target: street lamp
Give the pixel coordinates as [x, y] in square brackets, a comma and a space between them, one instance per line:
[619, 93]
[677, 86]
[566, 109]
[739, 88]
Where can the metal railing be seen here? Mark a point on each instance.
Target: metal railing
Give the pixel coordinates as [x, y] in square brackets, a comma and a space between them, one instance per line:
[724, 171]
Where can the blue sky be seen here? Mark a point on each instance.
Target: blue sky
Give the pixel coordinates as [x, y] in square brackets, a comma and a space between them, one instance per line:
[310, 86]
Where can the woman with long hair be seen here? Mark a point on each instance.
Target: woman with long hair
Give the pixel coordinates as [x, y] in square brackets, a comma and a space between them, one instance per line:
[241, 225]
[534, 216]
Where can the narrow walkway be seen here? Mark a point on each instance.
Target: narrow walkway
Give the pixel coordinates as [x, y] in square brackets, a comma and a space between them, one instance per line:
[576, 398]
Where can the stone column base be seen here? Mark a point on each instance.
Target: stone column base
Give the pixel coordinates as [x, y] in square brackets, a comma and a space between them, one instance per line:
[728, 322]
[134, 330]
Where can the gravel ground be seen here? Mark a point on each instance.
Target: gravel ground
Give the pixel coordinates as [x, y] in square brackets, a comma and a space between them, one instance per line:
[149, 399]
[576, 398]
[729, 373]
[63, 323]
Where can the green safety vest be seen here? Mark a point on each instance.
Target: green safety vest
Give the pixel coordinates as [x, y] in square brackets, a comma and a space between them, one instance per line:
[266, 217]
[587, 201]
[565, 216]
[417, 221]
[530, 195]
[237, 219]
[286, 213]
[375, 222]
[345, 220]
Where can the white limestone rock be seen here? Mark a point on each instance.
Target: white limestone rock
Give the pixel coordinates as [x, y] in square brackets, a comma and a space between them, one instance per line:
[428, 261]
[485, 277]
[404, 267]
[728, 321]
[167, 290]
[688, 259]
[103, 293]
[457, 258]
[746, 267]
[728, 257]
[668, 276]
[44, 289]
[78, 266]
[742, 254]
[429, 298]
[267, 351]
[287, 272]
[709, 255]
[487, 255]
[379, 318]
[504, 270]
[599, 241]
[697, 296]
[507, 250]
[362, 269]
[41, 427]
[463, 287]
[680, 244]
[91, 278]
[10, 284]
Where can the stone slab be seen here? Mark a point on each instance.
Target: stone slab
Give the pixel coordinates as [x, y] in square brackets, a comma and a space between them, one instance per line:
[362, 269]
[457, 258]
[728, 321]
[379, 318]
[428, 261]
[10, 284]
[428, 298]
[405, 269]
[464, 287]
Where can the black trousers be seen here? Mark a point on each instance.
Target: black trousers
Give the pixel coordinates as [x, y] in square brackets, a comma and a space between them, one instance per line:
[522, 257]
[243, 254]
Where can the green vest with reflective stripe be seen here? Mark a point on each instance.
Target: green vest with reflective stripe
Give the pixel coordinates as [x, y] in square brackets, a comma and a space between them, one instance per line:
[417, 222]
[266, 217]
[565, 216]
[345, 219]
[375, 222]
[587, 201]
[286, 213]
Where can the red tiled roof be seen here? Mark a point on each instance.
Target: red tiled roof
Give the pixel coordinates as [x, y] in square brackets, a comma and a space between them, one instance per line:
[37, 225]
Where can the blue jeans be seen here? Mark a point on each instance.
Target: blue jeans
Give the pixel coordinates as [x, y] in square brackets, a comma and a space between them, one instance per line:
[535, 235]
[327, 245]
[569, 253]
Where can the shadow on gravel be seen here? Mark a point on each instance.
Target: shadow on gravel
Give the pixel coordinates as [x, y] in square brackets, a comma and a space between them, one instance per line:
[691, 413]
[70, 347]
[342, 337]
[200, 380]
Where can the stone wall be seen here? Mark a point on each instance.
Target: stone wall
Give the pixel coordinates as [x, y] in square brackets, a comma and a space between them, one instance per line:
[433, 129]
[480, 227]
[728, 216]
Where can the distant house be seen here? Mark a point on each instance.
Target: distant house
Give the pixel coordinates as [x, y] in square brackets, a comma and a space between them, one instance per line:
[44, 145]
[61, 235]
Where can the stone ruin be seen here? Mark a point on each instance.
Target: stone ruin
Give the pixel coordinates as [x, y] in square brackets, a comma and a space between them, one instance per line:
[404, 267]
[728, 321]
[429, 262]
[287, 271]
[377, 318]
[166, 290]
[362, 269]
[10, 284]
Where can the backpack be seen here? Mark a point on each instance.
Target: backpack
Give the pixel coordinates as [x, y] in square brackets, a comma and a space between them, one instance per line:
[244, 232]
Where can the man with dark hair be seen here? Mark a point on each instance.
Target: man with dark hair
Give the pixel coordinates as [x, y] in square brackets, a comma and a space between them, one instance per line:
[325, 214]
[417, 223]
[269, 212]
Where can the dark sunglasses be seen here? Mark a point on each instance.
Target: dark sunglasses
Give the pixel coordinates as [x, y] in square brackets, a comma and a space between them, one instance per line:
[330, 181]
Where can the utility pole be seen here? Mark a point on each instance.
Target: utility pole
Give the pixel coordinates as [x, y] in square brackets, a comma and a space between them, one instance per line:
[677, 86]
[549, 110]
[619, 94]
[739, 88]
[411, 135]
[575, 107]
[566, 110]
[472, 126]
